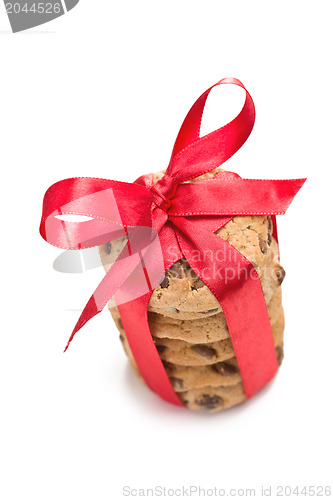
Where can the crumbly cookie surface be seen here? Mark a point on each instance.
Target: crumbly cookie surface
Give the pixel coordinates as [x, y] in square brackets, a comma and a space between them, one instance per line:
[183, 295]
[204, 330]
[224, 373]
[213, 398]
[188, 354]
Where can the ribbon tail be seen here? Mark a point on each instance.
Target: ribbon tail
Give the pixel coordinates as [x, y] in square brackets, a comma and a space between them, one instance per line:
[242, 301]
[134, 316]
[110, 284]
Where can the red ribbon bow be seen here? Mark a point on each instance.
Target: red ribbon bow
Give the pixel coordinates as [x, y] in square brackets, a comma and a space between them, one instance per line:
[182, 216]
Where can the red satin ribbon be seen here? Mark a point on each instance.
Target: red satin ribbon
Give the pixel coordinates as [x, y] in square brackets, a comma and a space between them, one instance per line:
[184, 217]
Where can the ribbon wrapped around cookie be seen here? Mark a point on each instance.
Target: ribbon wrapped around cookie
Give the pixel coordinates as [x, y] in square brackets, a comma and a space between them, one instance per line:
[174, 213]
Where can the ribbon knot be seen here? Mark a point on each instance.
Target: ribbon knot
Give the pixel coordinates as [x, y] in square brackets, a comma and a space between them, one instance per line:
[163, 191]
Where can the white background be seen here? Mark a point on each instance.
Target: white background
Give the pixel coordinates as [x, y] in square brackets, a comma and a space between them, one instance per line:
[102, 92]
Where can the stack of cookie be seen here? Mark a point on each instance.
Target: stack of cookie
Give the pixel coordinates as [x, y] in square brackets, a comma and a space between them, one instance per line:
[189, 327]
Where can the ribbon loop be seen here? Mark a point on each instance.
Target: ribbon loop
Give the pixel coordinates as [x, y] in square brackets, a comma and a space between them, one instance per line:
[193, 155]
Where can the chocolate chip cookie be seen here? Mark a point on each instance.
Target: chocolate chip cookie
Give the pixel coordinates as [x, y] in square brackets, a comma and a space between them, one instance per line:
[188, 325]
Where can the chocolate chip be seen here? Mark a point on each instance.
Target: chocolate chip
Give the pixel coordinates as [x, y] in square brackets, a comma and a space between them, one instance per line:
[226, 369]
[197, 284]
[209, 402]
[177, 270]
[279, 354]
[120, 324]
[269, 239]
[121, 338]
[185, 264]
[280, 274]
[270, 223]
[263, 245]
[205, 351]
[191, 274]
[177, 383]
[210, 311]
[165, 282]
[108, 247]
[160, 348]
[180, 269]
